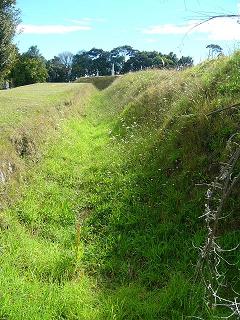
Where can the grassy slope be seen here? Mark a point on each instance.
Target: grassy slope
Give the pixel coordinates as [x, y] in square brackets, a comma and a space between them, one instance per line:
[28, 115]
[23, 102]
[101, 82]
[127, 172]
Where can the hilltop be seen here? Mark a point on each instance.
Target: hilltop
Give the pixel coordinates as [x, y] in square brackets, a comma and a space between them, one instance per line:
[106, 224]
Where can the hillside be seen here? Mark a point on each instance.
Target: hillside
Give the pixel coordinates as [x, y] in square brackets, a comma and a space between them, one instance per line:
[28, 116]
[106, 224]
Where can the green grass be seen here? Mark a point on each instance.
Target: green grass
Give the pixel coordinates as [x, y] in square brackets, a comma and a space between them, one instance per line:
[28, 116]
[16, 105]
[101, 82]
[33, 107]
[107, 218]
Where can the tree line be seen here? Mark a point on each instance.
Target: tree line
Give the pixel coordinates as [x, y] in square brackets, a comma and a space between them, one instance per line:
[31, 67]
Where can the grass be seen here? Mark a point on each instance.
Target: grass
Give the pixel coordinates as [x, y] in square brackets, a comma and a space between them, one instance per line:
[23, 103]
[34, 106]
[100, 82]
[107, 218]
[28, 116]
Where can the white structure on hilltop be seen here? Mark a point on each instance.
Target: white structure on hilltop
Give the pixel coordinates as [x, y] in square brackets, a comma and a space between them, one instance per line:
[113, 70]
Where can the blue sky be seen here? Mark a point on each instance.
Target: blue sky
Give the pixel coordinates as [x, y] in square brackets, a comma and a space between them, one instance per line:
[73, 25]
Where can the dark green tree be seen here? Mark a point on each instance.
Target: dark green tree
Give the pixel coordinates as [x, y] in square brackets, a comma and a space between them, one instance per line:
[34, 52]
[144, 60]
[125, 59]
[102, 64]
[185, 62]
[9, 19]
[120, 55]
[82, 64]
[92, 62]
[56, 70]
[30, 68]
[214, 50]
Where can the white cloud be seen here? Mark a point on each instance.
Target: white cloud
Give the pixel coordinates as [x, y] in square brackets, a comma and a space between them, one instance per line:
[216, 29]
[152, 40]
[221, 29]
[86, 21]
[167, 29]
[50, 29]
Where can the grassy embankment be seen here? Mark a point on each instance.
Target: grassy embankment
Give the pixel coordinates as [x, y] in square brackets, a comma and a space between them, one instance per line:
[101, 82]
[28, 116]
[108, 217]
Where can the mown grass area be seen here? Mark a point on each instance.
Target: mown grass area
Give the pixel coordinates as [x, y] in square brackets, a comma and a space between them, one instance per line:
[19, 104]
[109, 217]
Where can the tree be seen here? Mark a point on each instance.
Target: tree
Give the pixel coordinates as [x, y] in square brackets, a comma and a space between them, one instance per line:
[102, 64]
[173, 57]
[56, 70]
[214, 50]
[92, 62]
[81, 65]
[99, 62]
[34, 52]
[30, 68]
[185, 62]
[125, 59]
[66, 58]
[149, 59]
[120, 55]
[9, 19]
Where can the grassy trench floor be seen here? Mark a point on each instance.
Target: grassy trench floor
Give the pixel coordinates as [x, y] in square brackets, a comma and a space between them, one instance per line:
[45, 251]
[128, 260]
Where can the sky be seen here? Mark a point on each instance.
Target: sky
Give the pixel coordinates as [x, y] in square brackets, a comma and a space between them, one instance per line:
[56, 26]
